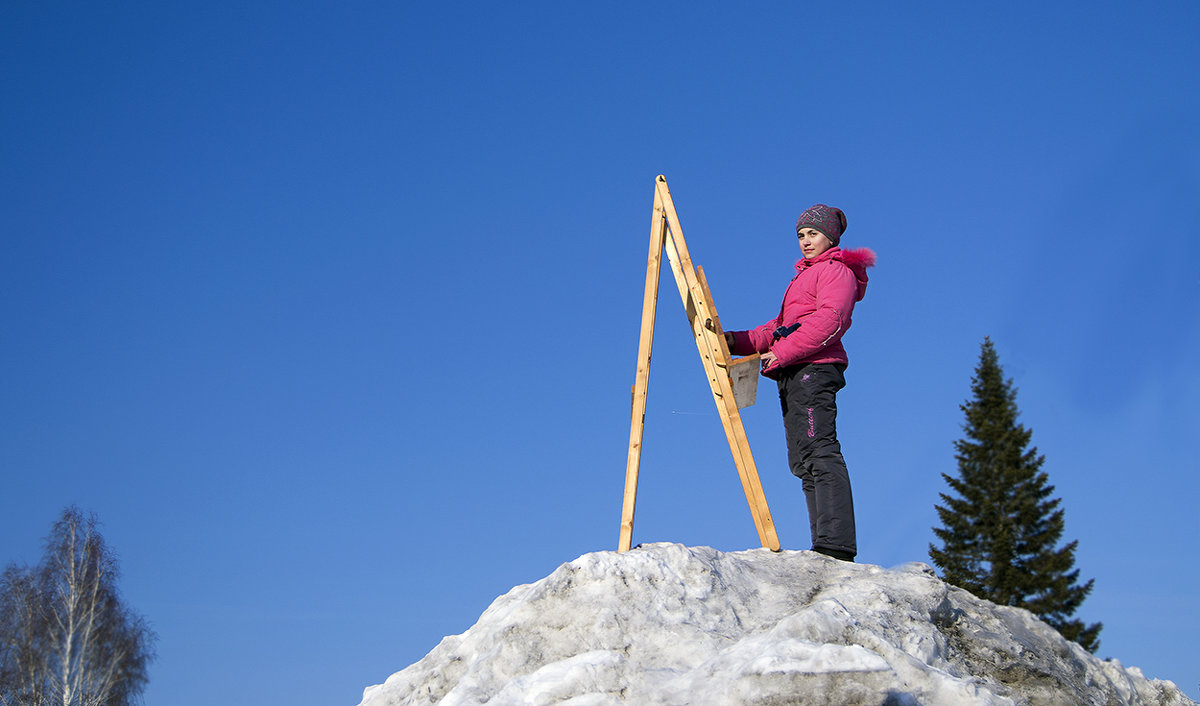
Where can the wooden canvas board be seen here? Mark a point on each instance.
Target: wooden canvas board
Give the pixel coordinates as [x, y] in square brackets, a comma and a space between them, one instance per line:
[744, 373]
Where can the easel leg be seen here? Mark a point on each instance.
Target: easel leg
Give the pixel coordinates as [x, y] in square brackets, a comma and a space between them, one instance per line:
[645, 342]
[698, 303]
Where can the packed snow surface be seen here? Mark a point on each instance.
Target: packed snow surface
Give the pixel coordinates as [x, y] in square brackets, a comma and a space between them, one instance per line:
[670, 624]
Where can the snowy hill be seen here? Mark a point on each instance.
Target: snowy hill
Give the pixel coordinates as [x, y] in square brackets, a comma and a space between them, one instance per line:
[669, 624]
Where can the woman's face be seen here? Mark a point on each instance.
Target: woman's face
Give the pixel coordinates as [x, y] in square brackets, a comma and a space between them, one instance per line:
[813, 242]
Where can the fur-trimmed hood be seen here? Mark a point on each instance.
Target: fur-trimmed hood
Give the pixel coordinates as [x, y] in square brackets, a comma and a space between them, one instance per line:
[857, 259]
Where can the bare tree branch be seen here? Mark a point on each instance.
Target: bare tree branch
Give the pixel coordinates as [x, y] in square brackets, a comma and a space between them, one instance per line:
[66, 639]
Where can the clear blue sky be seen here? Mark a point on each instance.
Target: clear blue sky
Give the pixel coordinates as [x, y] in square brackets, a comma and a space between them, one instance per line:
[330, 310]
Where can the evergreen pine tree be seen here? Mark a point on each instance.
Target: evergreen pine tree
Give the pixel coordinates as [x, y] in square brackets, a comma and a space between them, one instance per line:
[1001, 529]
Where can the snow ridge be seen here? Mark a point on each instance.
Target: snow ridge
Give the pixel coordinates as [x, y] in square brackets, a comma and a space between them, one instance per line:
[673, 625]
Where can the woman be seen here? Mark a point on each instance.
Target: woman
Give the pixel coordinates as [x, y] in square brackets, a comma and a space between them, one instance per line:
[802, 350]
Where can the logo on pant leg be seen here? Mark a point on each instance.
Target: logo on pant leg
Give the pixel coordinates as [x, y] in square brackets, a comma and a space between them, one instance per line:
[812, 430]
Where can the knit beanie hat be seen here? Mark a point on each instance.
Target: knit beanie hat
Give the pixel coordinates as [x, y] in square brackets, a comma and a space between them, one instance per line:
[827, 219]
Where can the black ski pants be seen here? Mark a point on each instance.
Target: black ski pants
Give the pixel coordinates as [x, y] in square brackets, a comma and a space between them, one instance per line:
[808, 395]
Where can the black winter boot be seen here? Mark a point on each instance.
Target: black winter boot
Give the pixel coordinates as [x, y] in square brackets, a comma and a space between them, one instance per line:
[835, 553]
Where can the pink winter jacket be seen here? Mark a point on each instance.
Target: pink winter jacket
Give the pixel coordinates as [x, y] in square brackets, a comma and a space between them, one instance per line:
[820, 298]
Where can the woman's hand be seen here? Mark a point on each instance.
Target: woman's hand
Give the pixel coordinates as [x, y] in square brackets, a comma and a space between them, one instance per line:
[767, 359]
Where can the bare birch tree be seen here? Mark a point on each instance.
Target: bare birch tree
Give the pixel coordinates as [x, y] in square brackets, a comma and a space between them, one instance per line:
[66, 639]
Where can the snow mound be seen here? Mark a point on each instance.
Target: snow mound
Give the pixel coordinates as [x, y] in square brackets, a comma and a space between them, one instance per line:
[674, 625]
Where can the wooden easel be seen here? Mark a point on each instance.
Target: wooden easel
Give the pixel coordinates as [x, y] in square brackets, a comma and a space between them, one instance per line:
[723, 371]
